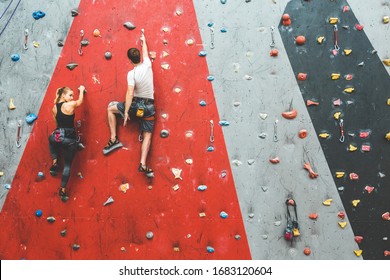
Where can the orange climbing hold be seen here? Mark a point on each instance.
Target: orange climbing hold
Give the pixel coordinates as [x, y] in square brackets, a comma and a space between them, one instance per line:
[312, 103]
[307, 251]
[275, 160]
[302, 76]
[300, 40]
[313, 216]
[302, 133]
[312, 174]
[286, 20]
[290, 114]
[274, 52]
[386, 253]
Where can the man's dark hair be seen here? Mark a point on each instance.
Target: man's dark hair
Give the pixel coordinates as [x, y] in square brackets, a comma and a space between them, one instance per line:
[134, 55]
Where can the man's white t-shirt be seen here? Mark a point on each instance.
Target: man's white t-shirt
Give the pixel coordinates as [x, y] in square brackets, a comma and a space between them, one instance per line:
[141, 77]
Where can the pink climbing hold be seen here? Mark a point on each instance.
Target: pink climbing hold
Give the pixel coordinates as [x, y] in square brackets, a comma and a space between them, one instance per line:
[358, 239]
[386, 253]
[353, 176]
[386, 216]
[359, 26]
[369, 189]
[364, 134]
[366, 148]
[337, 102]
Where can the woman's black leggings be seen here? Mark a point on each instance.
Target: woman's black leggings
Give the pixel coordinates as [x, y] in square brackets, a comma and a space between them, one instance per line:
[69, 148]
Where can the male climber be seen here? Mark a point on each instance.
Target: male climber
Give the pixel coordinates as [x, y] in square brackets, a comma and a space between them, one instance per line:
[139, 104]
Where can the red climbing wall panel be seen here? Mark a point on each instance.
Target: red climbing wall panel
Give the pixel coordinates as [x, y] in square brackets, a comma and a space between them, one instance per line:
[117, 230]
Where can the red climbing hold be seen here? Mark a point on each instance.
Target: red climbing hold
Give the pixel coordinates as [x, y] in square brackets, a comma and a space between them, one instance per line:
[274, 52]
[353, 176]
[313, 216]
[341, 215]
[302, 76]
[290, 114]
[359, 26]
[386, 216]
[275, 160]
[307, 251]
[386, 253]
[369, 189]
[300, 40]
[364, 134]
[302, 133]
[286, 20]
[358, 239]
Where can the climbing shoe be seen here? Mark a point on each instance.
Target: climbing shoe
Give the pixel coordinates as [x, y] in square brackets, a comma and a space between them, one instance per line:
[148, 171]
[63, 195]
[112, 146]
[54, 170]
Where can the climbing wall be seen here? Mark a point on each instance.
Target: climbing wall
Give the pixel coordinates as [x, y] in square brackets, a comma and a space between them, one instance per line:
[193, 215]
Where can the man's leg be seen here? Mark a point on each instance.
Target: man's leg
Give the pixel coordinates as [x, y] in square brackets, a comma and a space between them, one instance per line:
[114, 142]
[145, 147]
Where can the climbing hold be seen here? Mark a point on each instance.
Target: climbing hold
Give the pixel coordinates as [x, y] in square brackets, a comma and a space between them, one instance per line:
[41, 175]
[124, 187]
[386, 253]
[71, 66]
[75, 247]
[202, 214]
[165, 29]
[210, 249]
[286, 20]
[1, 173]
[313, 216]
[320, 39]
[164, 133]
[164, 54]
[189, 161]
[340, 174]
[342, 224]
[333, 20]
[302, 76]
[263, 116]
[300, 40]
[165, 66]
[358, 253]
[202, 188]
[274, 160]
[307, 251]
[248, 77]
[149, 235]
[366, 148]
[202, 53]
[15, 57]
[223, 215]
[129, 25]
[348, 77]
[7, 186]
[336, 115]
[361, 64]
[345, 8]
[340, 189]
[355, 202]
[274, 52]
[210, 148]
[51, 219]
[38, 213]
[179, 12]
[302, 133]
[60, 43]
[202, 103]
[387, 136]
[337, 102]
[327, 202]
[290, 114]
[385, 61]
[312, 103]
[210, 24]
[63, 233]
[381, 175]
[386, 216]
[36, 44]
[74, 12]
[341, 215]
[80, 175]
[190, 42]
[359, 26]
[165, 42]
[223, 1]
[352, 148]
[335, 76]
[347, 51]
[237, 237]
[223, 30]
[358, 239]
[210, 78]
[176, 187]
[38, 14]
[386, 19]
[96, 33]
[353, 176]
[108, 201]
[312, 174]
[369, 189]
[177, 173]
[223, 123]
[324, 135]
[177, 90]
[30, 118]
[349, 89]
[11, 104]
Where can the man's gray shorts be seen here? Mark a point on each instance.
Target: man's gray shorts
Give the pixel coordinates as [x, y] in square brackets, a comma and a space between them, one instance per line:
[149, 111]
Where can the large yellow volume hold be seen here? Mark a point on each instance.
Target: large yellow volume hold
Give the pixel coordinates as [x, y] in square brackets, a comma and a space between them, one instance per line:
[335, 76]
[349, 90]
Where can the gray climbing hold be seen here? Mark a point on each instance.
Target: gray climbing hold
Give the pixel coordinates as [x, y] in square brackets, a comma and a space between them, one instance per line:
[210, 78]
[223, 215]
[202, 53]
[223, 123]
[129, 25]
[108, 55]
[236, 104]
[237, 237]
[108, 201]
[381, 175]
[51, 219]
[251, 161]
[60, 43]
[75, 12]
[251, 215]
[210, 148]
[202, 188]
[264, 188]
[263, 135]
[76, 247]
[361, 64]
[84, 42]
[149, 235]
[277, 223]
[63, 233]
[71, 66]
[210, 249]
[340, 189]
[164, 133]
[202, 103]
[264, 236]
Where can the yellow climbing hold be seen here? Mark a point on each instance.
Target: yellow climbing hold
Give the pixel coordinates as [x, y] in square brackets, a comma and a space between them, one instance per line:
[355, 202]
[327, 202]
[36, 44]
[352, 148]
[386, 62]
[336, 115]
[1, 173]
[388, 101]
[349, 89]
[324, 135]
[358, 253]
[124, 187]
[387, 136]
[335, 76]
[333, 20]
[320, 39]
[347, 51]
[340, 174]
[342, 224]
[11, 105]
[386, 19]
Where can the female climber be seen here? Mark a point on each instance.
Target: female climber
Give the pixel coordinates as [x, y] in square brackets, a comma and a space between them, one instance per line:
[64, 136]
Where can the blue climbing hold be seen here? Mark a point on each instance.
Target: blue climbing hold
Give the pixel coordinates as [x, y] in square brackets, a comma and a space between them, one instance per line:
[210, 24]
[210, 249]
[223, 30]
[202, 103]
[30, 118]
[202, 188]
[223, 1]
[223, 215]
[38, 213]
[210, 78]
[223, 123]
[202, 53]
[38, 14]
[15, 57]
[40, 174]
[7, 186]
[210, 148]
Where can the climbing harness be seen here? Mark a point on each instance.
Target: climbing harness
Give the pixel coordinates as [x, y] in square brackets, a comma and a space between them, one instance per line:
[80, 50]
[292, 228]
[276, 131]
[336, 39]
[272, 45]
[18, 137]
[211, 131]
[212, 38]
[341, 130]
[25, 39]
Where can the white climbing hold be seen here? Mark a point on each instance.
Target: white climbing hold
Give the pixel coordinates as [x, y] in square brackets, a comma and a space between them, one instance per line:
[164, 116]
[164, 54]
[190, 42]
[189, 161]
[124, 187]
[177, 173]
[248, 77]
[177, 90]
[165, 29]
[236, 67]
[165, 66]
[263, 116]
[237, 162]
[108, 201]
[251, 161]
[236, 104]
[175, 187]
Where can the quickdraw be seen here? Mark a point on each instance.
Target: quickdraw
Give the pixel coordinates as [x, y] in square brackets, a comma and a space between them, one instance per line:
[276, 131]
[292, 228]
[80, 50]
[341, 130]
[25, 39]
[272, 37]
[336, 40]
[212, 38]
[18, 137]
[211, 131]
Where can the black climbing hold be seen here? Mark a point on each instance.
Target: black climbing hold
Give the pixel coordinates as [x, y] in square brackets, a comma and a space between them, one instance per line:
[149, 235]
[60, 43]
[71, 66]
[108, 55]
[75, 12]
[164, 133]
[51, 219]
[63, 233]
[76, 247]
[84, 42]
[129, 25]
